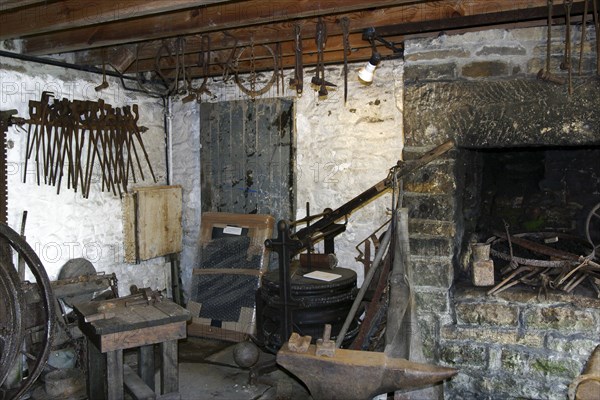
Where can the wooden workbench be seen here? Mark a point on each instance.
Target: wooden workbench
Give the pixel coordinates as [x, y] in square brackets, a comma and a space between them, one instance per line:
[134, 326]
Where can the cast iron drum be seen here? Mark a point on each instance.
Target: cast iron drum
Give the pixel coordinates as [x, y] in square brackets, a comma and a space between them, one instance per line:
[315, 303]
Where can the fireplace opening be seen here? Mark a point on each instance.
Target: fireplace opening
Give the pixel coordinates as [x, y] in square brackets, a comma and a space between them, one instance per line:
[536, 203]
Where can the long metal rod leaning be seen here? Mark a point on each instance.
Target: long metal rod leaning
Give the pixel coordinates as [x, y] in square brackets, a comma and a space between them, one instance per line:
[351, 205]
[365, 285]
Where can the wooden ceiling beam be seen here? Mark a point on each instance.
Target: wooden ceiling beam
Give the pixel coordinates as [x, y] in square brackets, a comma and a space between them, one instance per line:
[483, 19]
[408, 20]
[220, 57]
[266, 65]
[334, 42]
[6, 5]
[70, 14]
[207, 19]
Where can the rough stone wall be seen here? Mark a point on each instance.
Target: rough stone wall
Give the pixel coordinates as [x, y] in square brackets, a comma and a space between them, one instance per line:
[64, 226]
[341, 150]
[512, 346]
[518, 345]
[495, 54]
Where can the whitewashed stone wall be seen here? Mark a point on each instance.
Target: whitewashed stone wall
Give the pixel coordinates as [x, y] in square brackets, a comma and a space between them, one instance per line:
[185, 134]
[65, 226]
[342, 149]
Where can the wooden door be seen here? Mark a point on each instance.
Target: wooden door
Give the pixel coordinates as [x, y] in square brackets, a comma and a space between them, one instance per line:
[247, 157]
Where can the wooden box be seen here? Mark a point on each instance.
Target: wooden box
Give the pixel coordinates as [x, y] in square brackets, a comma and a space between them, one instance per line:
[152, 222]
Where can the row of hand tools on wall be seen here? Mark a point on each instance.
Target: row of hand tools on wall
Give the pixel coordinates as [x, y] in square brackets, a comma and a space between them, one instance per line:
[259, 57]
[255, 68]
[67, 139]
[567, 62]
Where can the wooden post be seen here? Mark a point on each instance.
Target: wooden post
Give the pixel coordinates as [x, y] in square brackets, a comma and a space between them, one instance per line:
[146, 365]
[396, 341]
[114, 375]
[169, 372]
[96, 376]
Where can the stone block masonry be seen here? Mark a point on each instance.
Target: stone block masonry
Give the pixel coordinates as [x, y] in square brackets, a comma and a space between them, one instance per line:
[509, 346]
[481, 90]
[495, 54]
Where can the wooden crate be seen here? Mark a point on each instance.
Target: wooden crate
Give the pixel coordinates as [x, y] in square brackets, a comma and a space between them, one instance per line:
[152, 222]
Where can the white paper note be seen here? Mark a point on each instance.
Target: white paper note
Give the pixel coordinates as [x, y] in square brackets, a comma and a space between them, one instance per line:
[322, 276]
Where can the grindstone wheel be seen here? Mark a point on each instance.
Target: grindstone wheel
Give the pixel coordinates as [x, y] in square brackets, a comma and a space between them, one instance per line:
[12, 316]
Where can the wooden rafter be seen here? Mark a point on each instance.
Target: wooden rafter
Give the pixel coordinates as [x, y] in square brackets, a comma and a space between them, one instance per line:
[207, 19]
[70, 14]
[440, 15]
[124, 31]
[395, 24]
[6, 5]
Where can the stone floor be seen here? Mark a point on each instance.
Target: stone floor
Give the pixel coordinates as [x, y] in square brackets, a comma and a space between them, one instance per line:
[207, 371]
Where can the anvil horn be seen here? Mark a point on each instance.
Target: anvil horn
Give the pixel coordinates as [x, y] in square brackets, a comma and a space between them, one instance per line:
[358, 375]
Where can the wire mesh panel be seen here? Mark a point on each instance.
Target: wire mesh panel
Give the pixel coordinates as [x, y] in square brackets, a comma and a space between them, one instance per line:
[232, 261]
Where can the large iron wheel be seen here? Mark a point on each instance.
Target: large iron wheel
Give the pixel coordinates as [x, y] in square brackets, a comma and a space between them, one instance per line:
[11, 319]
[592, 227]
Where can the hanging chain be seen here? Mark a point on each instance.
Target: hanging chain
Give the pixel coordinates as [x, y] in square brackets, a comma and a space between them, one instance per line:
[252, 67]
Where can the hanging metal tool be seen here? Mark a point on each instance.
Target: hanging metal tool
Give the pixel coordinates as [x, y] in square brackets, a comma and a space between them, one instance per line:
[166, 51]
[597, 27]
[319, 79]
[204, 62]
[279, 68]
[297, 82]
[139, 76]
[67, 139]
[281, 73]
[545, 74]
[345, 22]
[172, 52]
[566, 64]
[228, 65]
[104, 83]
[583, 34]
